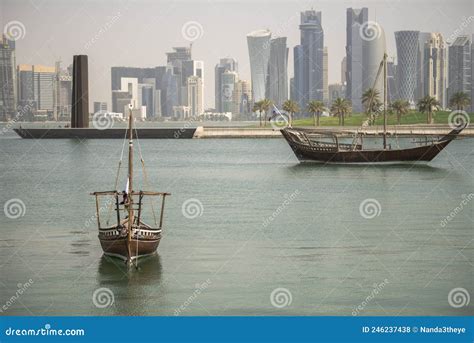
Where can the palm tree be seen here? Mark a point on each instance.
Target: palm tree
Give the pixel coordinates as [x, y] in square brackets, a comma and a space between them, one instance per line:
[341, 107]
[460, 100]
[427, 105]
[316, 108]
[400, 107]
[371, 97]
[290, 107]
[258, 107]
[266, 104]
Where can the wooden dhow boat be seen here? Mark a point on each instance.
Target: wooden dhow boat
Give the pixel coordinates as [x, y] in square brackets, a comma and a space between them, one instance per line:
[313, 146]
[129, 237]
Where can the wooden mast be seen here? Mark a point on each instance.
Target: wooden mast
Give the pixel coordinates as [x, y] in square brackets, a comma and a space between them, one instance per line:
[130, 184]
[385, 101]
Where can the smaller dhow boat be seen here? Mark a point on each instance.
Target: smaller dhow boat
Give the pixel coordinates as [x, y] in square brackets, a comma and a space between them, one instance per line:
[325, 146]
[129, 237]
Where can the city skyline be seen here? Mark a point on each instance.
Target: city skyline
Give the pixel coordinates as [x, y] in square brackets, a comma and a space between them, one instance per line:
[107, 24]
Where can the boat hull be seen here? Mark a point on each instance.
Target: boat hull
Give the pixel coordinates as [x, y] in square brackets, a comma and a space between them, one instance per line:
[307, 153]
[117, 247]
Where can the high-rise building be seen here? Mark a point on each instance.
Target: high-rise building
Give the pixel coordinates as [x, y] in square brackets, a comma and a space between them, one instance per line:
[434, 69]
[225, 64]
[308, 59]
[325, 76]
[344, 71]
[259, 53]
[120, 99]
[195, 96]
[63, 92]
[391, 81]
[277, 81]
[229, 78]
[146, 99]
[8, 88]
[130, 84]
[100, 106]
[36, 84]
[407, 52]
[423, 38]
[242, 98]
[356, 17]
[373, 50]
[460, 66]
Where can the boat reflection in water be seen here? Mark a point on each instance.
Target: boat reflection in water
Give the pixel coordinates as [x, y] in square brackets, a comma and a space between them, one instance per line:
[133, 289]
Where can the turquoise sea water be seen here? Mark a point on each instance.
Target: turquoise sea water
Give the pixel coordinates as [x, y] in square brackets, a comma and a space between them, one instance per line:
[263, 235]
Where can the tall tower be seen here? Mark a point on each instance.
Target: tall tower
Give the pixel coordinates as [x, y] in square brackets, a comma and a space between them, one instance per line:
[80, 93]
[259, 53]
[277, 82]
[309, 59]
[460, 66]
[356, 17]
[407, 52]
[373, 51]
[434, 71]
[8, 88]
[225, 64]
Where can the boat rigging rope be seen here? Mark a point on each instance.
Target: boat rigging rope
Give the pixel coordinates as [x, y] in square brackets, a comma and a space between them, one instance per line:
[109, 207]
[145, 176]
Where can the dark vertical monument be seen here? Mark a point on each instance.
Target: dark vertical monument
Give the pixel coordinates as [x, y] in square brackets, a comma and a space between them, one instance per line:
[80, 93]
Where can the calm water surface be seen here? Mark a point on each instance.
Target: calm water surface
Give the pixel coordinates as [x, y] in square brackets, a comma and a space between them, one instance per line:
[266, 222]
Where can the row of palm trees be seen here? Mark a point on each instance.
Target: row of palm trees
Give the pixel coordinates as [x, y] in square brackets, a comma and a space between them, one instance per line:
[371, 102]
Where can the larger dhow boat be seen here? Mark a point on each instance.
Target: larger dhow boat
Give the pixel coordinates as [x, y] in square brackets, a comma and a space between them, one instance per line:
[311, 145]
[129, 237]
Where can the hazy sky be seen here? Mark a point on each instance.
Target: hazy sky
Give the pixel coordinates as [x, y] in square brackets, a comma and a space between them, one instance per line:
[138, 33]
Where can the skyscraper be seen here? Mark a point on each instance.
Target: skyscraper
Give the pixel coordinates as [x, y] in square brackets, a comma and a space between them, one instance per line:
[309, 59]
[423, 38]
[407, 51]
[229, 78]
[242, 97]
[277, 81]
[8, 88]
[36, 85]
[225, 64]
[434, 70]
[356, 17]
[195, 96]
[325, 76]
[344, 71]
[460, 66]
[373, 50]
[259, 53]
